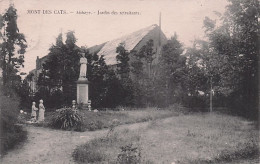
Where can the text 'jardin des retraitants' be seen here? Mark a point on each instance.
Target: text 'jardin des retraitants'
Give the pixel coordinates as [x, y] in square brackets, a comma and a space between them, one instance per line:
[83, 12]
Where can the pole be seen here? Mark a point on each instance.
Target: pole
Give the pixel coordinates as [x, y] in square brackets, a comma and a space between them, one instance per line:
[211, 96]
[160, 26]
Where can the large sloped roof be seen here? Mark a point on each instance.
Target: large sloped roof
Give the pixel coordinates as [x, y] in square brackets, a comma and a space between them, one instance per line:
[130, 41]
[108, 49]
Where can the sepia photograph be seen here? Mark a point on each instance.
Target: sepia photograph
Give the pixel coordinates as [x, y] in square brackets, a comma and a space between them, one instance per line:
[129, 81]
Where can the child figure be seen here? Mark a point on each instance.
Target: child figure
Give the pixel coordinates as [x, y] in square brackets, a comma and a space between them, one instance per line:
[41, 111]
[34, 109]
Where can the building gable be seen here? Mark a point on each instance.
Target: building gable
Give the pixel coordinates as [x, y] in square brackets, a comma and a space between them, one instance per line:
[132, 41]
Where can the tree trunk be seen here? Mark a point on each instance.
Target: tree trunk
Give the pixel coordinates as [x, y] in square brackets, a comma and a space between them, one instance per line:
[211, 96]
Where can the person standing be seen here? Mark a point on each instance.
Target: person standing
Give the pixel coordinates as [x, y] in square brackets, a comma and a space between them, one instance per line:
[41, 111]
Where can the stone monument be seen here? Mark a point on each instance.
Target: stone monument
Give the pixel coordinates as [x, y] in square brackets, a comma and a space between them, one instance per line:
[82, 83]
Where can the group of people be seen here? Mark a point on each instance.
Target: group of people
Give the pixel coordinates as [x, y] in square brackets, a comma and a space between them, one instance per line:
[40, 113]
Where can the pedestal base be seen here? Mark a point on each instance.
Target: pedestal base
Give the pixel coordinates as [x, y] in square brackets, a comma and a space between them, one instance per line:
[82, 91]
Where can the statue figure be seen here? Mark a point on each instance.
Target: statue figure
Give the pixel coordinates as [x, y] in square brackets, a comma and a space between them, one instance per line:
[74, 108]
[83, 66]
[89, 105]
[33, 114]
[41, 111]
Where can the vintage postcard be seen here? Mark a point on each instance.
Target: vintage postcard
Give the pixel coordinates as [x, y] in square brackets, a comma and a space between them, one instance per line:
[129, 81]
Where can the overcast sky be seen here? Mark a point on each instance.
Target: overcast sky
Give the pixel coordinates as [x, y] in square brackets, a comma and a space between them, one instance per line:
[185, 17]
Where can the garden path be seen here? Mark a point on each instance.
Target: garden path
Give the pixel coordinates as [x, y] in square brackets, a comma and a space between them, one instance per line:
[46, 145]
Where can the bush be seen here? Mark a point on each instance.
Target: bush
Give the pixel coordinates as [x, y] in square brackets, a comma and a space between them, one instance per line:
[129, 155]
[87, 154]
[11, 138]
[10, 134]
[67, 119]
[249, 150]
[54, 99]
[195, 101]
[92, 126]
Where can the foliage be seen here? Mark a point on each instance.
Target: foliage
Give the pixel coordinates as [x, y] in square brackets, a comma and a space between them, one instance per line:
[13, 45]
[114, 91]
[123, 67]
[241, 18]
[143, 75]
[227, 61]
[250, 151]
[61, 70]
[172, 73]
[10, 134]
[97, 71]
[11, 138]
[9, 110]
[129, 155]
[66, 119]
[123, 72]
[23, 90]
[95, 125]
[87, 154]
[158, 83]
[12, 49]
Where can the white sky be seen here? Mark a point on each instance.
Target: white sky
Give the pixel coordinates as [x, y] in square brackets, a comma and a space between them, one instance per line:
[185, 17]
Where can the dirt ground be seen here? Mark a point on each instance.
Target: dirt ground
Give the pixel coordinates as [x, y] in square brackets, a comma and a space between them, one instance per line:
[46, 145]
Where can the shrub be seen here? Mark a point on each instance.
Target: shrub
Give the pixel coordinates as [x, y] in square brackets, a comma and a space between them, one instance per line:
[92, 126]
[129, 155]
[11, 138]
[10, 134]
[249, 150]
[67, 119]
[87, 154]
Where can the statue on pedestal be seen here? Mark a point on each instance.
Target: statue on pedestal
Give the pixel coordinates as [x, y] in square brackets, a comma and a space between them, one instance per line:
[83, 66]
[82, 83]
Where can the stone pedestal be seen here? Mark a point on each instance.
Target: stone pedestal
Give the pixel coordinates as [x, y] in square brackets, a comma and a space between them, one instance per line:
[82, 91]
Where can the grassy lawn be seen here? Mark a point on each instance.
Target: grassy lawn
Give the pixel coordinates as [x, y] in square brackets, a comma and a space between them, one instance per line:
[104, 119]
[196, 138]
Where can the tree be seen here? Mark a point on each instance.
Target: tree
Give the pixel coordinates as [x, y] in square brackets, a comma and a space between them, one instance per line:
[123, 67]
[97, 70]
[229, 56]
[242, 19]
[146, 52]
[60, 71]
[13, 47]
[172, 73]
[123, 72]
[203, 72]
[143, 75]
